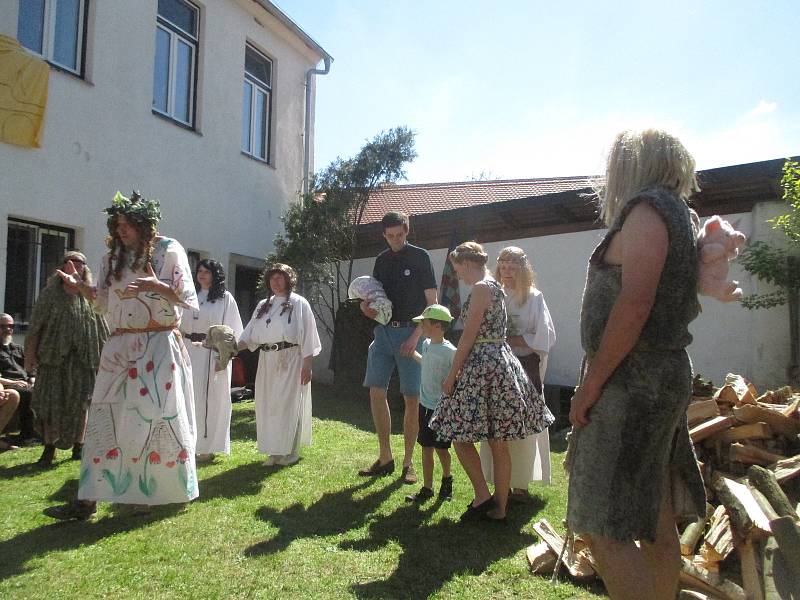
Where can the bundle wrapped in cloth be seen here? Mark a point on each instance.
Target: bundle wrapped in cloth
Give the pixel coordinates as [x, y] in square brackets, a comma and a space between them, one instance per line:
[221, 339]
[370, 289]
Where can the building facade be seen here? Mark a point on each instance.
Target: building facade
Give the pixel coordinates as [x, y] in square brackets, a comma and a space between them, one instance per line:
[205, 105]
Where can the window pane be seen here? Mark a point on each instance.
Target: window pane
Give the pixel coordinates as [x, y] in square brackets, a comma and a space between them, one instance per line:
[257, 66]
[261, 115]
[183, 81]
[246, 108]
[54, 244]
[65, 48]
[20, 271]
[179, 14]
[161, 71]
[30, 24]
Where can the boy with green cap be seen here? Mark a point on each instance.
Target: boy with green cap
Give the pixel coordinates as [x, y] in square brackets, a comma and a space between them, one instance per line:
[436, 358]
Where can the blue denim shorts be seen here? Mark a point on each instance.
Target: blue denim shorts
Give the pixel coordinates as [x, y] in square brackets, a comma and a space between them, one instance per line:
[384, 355]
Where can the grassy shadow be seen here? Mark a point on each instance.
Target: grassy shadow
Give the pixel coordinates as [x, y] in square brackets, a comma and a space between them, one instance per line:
[334, 513]
[351, 406]
[434, 552]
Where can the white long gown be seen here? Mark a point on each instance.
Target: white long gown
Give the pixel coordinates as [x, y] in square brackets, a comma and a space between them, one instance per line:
[140, 435]
[283, 405]
[530, 457]
[212, 389]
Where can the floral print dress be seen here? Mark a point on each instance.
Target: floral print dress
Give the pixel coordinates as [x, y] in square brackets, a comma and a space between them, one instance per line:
[493, 397]
[140, 434]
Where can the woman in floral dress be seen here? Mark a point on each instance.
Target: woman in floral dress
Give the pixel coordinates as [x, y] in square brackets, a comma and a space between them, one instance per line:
[487, 394]
[140, 435]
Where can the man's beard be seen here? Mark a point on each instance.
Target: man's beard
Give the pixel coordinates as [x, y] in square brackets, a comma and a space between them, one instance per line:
[6, 339]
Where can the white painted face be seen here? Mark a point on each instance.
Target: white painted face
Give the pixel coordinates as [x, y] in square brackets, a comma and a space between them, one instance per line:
[396, 237]
[127, 232]
[204, 277]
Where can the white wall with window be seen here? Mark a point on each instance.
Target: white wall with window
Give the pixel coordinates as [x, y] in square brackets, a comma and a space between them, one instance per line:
[55, 30]
[159, 108]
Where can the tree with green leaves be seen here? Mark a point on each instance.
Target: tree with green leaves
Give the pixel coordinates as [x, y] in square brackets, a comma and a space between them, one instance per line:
[320, 231]
[779, 265]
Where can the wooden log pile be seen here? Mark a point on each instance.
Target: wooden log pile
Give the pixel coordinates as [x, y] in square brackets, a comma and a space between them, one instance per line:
[747, 545]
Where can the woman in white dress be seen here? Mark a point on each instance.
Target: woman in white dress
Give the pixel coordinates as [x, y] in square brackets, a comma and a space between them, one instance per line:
[284, 330]
[531, 335]
[140, 436]
[212, 388]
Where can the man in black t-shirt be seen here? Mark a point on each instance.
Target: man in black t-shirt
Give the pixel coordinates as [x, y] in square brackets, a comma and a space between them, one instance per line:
[406, 273]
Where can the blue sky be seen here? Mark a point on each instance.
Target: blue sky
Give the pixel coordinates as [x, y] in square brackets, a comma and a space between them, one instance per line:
[513, 89]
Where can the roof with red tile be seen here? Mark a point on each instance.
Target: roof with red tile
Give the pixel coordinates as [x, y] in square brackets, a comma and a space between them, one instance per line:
[424, 198]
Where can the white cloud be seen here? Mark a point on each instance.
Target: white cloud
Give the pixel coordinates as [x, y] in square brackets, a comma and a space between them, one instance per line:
[763, 108]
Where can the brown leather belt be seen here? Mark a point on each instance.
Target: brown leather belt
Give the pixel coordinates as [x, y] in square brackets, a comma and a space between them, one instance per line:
[122, 330]
[195, 337]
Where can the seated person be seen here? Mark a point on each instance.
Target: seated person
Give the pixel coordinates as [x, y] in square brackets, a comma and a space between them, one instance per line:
[9, 400]
[13, 376]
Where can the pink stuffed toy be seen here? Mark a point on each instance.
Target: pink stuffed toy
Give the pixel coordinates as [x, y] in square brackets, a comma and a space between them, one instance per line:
[718, 244]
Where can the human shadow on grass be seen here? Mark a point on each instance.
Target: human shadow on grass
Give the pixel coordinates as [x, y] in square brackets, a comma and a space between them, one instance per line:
[333, 513]
[58, 536]
[434, 552]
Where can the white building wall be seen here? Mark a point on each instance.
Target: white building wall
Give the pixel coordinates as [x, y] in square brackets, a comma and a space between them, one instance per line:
[727, 337]
[101, 135]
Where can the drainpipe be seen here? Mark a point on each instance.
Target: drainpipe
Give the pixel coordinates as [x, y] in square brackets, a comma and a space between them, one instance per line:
[307, 142]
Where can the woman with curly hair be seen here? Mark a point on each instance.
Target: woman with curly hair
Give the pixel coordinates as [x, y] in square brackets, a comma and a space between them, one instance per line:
[64, 341]
[140, 435]
[212, 388]
[284, 330]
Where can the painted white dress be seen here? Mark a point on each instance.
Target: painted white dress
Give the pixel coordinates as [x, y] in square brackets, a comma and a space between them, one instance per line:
[212, 389]
[283, 405]
[140, 436]
[530, 457]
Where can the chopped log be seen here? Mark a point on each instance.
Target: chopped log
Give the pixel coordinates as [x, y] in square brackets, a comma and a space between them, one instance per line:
[718, 543]
[780, 424]
[752, 455]
[779, 396]
[779, 580]
[748, 559]
[693, 595]
[762, 501]
[766, 483]
[691, 535]
[750, 431]
[745, 514]
[787, 469]
[708, 428]
[736, 391]
[791, 409]
[696, 577]
[787, 534]
[576, 563]
[541, 558]
[702, 410]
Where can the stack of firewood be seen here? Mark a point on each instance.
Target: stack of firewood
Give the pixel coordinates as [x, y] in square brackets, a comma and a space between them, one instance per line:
[747, 545]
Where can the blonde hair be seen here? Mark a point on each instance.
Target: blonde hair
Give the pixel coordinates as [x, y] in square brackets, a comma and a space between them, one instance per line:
[639, 159]
[469, 251]
[525, 278]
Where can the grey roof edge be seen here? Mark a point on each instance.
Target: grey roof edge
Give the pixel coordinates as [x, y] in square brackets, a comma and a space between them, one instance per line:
[276, 12]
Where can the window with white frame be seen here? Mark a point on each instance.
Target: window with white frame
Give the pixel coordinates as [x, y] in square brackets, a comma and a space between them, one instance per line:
[54, 29]
[176, 60]
[34, 252]
[257, 105]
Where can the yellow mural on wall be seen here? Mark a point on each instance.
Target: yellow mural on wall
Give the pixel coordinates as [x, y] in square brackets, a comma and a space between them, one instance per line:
[23, 94]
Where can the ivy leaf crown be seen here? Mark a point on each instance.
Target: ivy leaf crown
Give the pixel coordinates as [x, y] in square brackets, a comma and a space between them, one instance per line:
[137, 208]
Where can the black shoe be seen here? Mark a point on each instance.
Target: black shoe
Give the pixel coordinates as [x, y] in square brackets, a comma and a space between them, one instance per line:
[77, 450]
[423, 495]
[376, 469]
[475, 512]
[75, 510]
[46, 459]
[446, 488]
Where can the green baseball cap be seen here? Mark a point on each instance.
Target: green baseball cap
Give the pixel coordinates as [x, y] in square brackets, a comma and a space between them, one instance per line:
[435, 312]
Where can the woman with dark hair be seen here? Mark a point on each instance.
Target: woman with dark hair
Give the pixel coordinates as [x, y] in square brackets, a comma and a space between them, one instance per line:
[284, 329]
[212, 389]
[140, 434]
[64, 341]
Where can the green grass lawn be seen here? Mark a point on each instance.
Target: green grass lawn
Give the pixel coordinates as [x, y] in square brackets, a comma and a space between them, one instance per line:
[313, 530]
